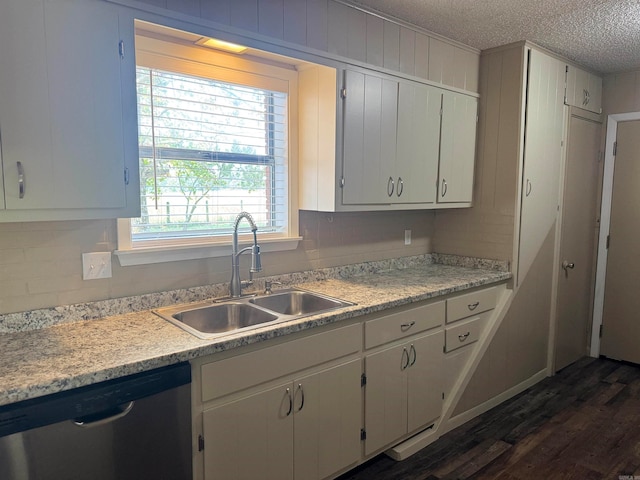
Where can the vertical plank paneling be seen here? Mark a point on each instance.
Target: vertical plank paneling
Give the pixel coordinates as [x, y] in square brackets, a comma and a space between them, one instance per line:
[295, 21]
[338, 27]
[375, 40]
[244, 14]
[421, 67]
[391, 55]
[317, 12]
[216, 11]
[407, 50]
[188, 7]
[271, 18]
[356, 35]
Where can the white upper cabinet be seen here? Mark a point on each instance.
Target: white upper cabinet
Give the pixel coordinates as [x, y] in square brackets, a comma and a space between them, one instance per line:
[583, 89]
[542, 156]
[369, 138]
[392, 137]
[61, 111]
[457, 148]
[416, 168]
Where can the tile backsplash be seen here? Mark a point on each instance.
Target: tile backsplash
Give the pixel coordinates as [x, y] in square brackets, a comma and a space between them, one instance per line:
[41, 262]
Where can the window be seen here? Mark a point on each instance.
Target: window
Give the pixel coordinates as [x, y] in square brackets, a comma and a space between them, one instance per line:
[214, 135]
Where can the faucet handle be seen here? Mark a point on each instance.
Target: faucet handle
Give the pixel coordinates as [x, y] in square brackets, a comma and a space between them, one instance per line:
[268, 284]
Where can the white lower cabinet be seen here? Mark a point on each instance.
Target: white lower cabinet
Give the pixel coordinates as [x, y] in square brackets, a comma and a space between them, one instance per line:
[305, 429]
[403, 390]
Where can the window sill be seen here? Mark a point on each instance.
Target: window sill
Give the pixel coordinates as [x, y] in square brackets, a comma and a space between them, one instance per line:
[150, 255]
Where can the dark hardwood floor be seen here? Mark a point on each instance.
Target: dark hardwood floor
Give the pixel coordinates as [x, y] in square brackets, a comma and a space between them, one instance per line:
[583, 423]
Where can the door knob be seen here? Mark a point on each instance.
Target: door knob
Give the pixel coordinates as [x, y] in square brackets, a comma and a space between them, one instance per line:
[567, 265]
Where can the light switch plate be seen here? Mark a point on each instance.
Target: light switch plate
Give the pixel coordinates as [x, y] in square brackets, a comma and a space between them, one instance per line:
[96, 265]
[407, 237]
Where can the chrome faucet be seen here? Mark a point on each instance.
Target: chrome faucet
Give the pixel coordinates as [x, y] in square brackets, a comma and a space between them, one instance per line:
[235, 287]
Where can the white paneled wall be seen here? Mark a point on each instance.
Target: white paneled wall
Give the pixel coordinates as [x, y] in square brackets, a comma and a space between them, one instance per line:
[343, 31]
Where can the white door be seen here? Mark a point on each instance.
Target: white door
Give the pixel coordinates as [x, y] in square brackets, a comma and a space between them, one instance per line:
[577, 244]
[542, 156]
[425, 381]
[621, 320]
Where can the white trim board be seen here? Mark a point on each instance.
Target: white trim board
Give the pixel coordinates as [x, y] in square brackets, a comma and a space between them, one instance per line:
[605, 223]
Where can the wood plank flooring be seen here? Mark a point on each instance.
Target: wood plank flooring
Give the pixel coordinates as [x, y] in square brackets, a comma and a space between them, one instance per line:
[583, 423]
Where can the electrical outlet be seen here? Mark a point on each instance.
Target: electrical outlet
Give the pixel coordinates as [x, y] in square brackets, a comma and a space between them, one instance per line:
[96, 265]
[407, 237]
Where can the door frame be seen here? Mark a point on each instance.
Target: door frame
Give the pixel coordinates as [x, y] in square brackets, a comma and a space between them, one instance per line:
[605, 224]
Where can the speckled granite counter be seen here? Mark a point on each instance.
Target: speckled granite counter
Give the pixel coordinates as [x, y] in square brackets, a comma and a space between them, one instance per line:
[68, 355]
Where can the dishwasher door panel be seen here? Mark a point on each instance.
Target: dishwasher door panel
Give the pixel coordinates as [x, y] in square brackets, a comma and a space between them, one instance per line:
[152, 441]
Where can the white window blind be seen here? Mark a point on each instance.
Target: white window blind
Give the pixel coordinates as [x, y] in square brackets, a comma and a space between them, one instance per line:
[208, 150]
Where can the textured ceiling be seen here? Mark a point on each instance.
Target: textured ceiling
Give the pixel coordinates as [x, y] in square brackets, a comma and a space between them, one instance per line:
[603, 35]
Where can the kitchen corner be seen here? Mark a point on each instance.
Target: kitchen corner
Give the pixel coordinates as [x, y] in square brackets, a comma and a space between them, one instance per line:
[74, 346]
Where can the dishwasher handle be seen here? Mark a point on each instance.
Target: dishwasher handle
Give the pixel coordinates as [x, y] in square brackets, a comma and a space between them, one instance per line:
[89, 422]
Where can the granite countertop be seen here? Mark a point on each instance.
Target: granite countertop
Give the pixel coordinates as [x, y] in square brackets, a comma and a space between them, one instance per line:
[68, 355]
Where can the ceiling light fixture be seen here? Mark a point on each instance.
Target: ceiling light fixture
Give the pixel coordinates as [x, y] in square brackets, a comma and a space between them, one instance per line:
[221, 45]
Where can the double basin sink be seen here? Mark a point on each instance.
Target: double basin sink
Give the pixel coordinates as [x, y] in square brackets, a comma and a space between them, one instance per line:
[209, 320]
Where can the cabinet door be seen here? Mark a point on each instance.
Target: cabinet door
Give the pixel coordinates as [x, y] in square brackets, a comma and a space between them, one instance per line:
[369, 137]
[61, 107]
[542, 156]
[457, 148]
[250, 438]
[385, 397]
[418, 143]
[327, 421]
[583, 89]
[595, 93]
[425, 381]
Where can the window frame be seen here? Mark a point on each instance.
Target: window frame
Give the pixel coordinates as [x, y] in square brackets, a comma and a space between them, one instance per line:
[168, 55]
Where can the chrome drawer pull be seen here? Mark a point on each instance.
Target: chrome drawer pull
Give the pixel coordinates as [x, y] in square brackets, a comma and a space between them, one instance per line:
[462, 338]
[390, 186]
[406, 326]
[290, 402]
[473, 306]
[400, 186]
[415, 355]
[21, 186]
[302, 398]
[403, 366]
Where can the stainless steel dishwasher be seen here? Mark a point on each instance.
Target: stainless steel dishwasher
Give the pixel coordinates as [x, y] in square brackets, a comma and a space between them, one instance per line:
[135, 427]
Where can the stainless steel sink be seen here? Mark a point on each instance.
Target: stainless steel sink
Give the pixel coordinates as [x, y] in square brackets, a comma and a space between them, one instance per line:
[210, 320]
[296, 302]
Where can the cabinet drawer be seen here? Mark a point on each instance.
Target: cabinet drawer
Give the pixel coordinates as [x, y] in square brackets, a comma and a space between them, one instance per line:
[402, 324]
[470, 304]
[462, 334]
[243, 371]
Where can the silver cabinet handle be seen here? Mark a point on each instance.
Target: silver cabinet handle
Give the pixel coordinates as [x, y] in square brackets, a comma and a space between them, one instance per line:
[403, 365]
[462, 338]
[400, 186]
[406, 326]
[444, 187]
[21, 185]
[301, 390]
[415, 355]
[103, 421]
[568, 265]
[290, 402]
[390, 186]
[473, 306]
[528, 190]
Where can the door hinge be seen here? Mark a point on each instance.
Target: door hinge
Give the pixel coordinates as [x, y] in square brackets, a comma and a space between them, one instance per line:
[121, 48]
[342, 182]
[615, 148]
[343, 92]
[443, 395]
[363, 380]
[601, 325]
[363, 434]
[126, 176]
[200, 443]
[608, 240]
